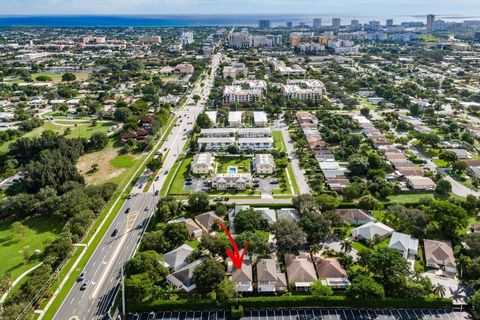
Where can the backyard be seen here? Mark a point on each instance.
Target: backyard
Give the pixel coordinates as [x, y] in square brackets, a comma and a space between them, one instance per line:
[242, 164]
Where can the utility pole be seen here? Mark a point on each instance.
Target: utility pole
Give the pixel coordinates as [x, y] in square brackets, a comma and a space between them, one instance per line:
[123, 296]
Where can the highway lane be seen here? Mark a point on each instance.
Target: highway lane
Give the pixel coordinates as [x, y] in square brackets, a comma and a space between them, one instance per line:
[80, 303]
[103, 270]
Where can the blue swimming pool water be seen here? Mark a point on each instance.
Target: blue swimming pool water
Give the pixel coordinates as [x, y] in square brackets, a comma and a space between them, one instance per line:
[232, 170]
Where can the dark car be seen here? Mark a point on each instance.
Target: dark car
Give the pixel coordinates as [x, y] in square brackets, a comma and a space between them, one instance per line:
[157, 193]
[84, 285]
[81, 277]
[188, 183]
[115, 232]
[273, 182]
[128, 210]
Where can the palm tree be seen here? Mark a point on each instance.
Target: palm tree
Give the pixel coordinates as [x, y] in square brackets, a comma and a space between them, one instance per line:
[315, 248]
[439, 290]
[346, 245]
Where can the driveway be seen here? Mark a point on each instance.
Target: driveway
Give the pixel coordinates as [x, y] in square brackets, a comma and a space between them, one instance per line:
[453, 287]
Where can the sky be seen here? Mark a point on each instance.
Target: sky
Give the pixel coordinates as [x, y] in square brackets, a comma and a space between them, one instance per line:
[469, 8]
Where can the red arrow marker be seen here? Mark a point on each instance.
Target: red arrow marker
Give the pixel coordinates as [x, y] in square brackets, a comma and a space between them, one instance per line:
[236, 257]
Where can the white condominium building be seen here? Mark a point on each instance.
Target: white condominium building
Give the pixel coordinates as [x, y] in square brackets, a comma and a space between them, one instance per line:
[303, 89]
[244, 91]
[215, 143]
[255, 143]
[237, 70]
[186, 38]
[282, 68]
[239, 40]
[202, 163]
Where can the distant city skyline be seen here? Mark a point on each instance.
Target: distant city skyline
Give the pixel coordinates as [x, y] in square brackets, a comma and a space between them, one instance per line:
[344, 7]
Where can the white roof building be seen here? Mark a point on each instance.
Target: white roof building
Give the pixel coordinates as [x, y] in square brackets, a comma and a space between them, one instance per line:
[212, 115]
[404, 243]
[235, 118]
[260, 118]
[177, 258]
[289, 214]
[369, 230]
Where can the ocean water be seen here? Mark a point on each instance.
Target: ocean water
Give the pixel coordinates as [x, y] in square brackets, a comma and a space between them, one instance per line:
[193, 20]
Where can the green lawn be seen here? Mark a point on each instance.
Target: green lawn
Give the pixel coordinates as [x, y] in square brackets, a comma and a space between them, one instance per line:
[123, 161]
[193, 243]
[364, 103]
[409, 198]
[12, 246]
[243, 165]
[178, 183]
[57, 77]
[440, 163]
[278, 140]
[359, 246]
[264, 234]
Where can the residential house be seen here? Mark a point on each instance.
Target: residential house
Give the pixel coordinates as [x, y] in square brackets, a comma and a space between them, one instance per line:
[404, 243]
[264, 163]
[439, 255]
[371, 229]
[207, 220]
[420, 183]
[177, 258]
[331, 272]
[269, 276]
[212, 115]
[355, 216]
[182, 279]
[300, 270]
[243, 277]
[268, 214]
[289, 214]
[202, 163]
[194, 231]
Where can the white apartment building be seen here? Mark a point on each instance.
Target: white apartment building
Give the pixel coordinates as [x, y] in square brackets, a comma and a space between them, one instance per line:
[254, 132]
[184, 68]
[260, 119]
[282, 68]
[215, 143]
[217, 132]
[255, 143]
[303, 89]
[239, 40]
[264, 163]
[235, 118]
[202, 163]
[186, 38]
[237, 70]
[212, 115]
[238, 181]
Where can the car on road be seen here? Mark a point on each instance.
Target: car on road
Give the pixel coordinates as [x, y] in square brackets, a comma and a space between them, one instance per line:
[81, 277]
[157, 193]
[115, 232]
[166, 172]
[140, 186]
[129, 197]
[128, 210]
[147, 209]
[84, 285]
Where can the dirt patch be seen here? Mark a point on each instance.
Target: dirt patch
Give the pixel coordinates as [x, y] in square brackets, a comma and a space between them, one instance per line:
[104, 170]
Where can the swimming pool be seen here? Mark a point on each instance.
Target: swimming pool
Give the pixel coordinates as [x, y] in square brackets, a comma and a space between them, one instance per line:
[232, 170]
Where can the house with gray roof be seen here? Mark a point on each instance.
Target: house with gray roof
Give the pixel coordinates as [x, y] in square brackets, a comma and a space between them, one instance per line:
[269, 276]
[177, 258]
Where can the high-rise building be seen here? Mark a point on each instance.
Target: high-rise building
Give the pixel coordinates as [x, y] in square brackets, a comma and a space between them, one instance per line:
[389, 23]
[430, 23]
[264, 24]
[317, 23]
[186, 38]
[289, 24]
[476, 37]
[336, 23]
[439, 25]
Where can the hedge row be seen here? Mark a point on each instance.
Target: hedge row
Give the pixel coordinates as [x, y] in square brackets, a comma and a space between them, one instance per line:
[295, 301]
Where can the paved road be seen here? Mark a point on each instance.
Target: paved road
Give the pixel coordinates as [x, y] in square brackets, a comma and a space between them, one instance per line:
[311, 314]
[103, 270]
[303, 187]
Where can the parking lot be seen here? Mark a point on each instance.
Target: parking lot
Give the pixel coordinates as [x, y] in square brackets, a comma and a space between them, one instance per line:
[310, 314]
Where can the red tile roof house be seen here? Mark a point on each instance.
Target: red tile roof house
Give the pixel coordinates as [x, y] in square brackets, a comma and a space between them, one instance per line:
[147, 121]
[139, 134]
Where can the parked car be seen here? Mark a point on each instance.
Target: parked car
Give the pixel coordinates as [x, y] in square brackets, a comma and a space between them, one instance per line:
[274, 182]
[147, 208]
[157, 193]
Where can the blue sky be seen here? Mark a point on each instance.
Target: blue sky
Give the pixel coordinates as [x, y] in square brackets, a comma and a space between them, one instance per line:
[321, 7]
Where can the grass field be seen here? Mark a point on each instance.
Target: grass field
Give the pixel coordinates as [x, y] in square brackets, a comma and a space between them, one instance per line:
[81, 130]
[364, 103]
[57, 77]
[123, 161]
[243, 165]
[409, 198]
[12, 246]
[178, 183]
